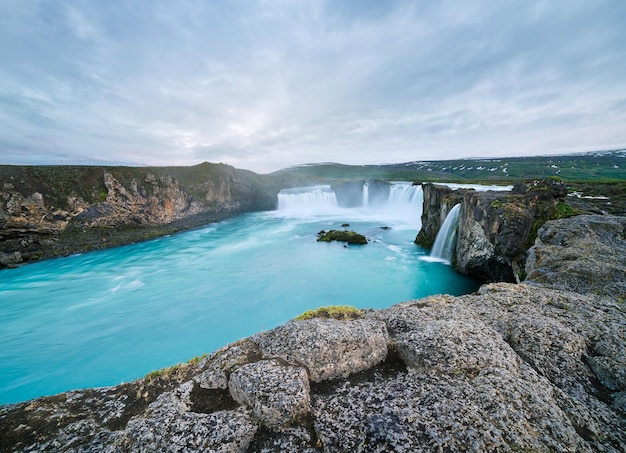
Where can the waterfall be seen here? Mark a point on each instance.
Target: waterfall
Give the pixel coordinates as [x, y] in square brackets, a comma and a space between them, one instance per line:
[366, 194]
[446, 237]
[308, 200]
[406, 194]
[400, 202]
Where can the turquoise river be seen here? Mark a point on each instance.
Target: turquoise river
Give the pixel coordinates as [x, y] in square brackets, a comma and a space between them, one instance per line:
[111, 316]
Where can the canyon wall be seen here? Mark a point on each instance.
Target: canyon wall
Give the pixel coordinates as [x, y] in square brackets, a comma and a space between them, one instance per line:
[49, 211]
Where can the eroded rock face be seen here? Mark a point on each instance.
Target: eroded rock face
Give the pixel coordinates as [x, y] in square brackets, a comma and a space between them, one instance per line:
[158, 199]
[438, 201]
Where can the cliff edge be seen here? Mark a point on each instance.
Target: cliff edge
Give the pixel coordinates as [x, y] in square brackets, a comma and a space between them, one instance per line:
[514, 367]
[51, 211]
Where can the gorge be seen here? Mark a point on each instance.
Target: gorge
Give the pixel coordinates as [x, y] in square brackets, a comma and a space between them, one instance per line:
[186, 294]
[531, 366]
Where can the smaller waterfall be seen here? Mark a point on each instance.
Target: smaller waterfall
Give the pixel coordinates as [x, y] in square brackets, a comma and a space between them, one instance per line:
[366, 194]
[446, 237]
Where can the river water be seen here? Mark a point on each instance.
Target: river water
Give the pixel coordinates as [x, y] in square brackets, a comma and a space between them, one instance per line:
[111, 316]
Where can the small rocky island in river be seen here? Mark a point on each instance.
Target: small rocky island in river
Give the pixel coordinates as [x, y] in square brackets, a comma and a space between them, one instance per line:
[538, 365]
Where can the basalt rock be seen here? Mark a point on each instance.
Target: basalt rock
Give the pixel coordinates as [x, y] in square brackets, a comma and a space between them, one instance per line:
[438, 201]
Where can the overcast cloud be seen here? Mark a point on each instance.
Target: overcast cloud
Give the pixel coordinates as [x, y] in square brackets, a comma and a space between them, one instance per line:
[264, 85]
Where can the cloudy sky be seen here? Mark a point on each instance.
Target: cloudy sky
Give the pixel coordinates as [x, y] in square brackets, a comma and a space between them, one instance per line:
[268, 84]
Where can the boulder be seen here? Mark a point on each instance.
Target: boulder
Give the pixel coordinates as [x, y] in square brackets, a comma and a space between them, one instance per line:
[453, 346]
[586, 254]
[328, 348]
[170, 426]
[277, 394]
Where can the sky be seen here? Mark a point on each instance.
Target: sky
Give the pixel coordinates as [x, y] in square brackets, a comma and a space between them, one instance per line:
[264, 85]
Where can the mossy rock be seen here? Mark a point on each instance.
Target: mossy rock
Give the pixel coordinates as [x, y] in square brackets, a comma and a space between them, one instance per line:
[341, 312]
[342, 236]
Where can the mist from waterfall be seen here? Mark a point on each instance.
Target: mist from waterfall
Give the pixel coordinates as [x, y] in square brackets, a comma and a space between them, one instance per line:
[443, 248]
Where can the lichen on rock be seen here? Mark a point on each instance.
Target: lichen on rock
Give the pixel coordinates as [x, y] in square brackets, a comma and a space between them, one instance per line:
[278, 394]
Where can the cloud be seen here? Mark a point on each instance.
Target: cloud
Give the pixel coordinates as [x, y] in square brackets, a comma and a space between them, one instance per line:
[264, 85]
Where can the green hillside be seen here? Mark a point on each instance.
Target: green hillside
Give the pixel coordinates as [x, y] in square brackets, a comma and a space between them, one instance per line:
[591, 166]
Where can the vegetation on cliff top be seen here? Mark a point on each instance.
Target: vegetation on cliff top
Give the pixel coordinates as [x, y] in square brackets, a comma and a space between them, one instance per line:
[592, 166]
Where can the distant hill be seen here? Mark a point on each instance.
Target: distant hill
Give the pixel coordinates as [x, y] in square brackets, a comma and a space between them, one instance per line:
[607, 165]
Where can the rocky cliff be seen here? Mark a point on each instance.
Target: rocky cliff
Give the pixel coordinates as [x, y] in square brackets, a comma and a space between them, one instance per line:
[48, 211]
[495, 228]
[514, 367]
[438, 200]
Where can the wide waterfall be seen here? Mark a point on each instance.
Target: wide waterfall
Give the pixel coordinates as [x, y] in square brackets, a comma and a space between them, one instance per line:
[397, 201]
[308, 200]
[445, 241]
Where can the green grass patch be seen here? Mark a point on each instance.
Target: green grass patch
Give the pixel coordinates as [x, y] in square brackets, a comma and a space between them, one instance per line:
[175, 371]
[341, 312]
[564, 210]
